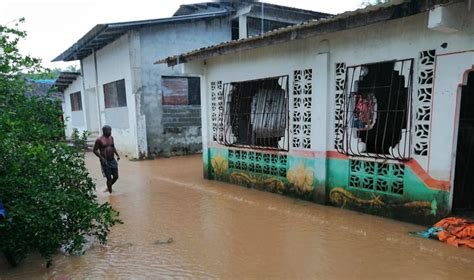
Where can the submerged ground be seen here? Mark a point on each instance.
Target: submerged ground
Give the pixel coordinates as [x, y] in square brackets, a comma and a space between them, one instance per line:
[225, 231]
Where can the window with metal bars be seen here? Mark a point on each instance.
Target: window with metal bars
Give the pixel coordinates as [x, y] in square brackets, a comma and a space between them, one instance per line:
[377, 99]
[255, 114]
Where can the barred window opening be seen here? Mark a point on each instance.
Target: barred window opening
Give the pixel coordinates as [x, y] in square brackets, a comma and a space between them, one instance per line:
[255, 114]
[377, 110]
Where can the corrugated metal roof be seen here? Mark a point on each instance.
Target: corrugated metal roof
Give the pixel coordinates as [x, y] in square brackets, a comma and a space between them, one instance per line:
[347, 20]
[65, 79]
[103, 34]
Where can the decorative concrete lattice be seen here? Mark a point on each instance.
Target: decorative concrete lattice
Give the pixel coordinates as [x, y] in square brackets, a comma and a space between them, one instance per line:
[339, 109]
[256, 162]
[301, 108]
[217, 107]
[426, 66]
[375, 176]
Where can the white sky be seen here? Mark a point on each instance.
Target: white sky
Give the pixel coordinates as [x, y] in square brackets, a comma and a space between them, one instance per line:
[54, 25]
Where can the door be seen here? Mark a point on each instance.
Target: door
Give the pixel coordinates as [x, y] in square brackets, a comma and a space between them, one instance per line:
[464, 174]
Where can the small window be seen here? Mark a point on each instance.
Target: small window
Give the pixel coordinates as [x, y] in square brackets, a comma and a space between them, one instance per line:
[114, 94]
[76, 101]
[255, 114]
[181, 90]
[378, 109]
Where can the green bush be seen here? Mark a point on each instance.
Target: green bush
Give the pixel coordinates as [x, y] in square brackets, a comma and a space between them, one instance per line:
[47, 192]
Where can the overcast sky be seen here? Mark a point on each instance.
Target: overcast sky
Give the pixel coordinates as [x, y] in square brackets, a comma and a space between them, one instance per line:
[54, 25]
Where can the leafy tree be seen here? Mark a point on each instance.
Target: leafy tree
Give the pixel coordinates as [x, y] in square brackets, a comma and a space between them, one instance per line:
[72, 68]
[46, 74]
[46, 190]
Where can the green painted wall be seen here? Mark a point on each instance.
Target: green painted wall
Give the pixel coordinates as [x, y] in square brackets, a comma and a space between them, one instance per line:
[326, 181]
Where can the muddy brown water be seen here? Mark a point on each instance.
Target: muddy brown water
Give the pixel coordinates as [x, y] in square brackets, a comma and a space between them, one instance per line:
[229, 232]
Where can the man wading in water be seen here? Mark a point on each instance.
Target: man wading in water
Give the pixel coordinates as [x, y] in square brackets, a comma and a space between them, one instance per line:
[104, 149]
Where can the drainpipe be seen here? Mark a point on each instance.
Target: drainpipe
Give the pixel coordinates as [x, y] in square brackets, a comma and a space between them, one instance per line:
[97, 89]
[83, 90]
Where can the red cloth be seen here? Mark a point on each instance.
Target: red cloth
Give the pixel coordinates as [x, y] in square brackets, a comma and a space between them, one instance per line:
[457, 232]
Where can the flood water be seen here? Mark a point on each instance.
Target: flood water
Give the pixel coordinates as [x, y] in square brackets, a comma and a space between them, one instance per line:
[229, 232]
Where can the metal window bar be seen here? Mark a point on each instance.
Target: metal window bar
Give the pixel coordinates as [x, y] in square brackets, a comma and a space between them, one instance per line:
[255, 114]
[377, 117]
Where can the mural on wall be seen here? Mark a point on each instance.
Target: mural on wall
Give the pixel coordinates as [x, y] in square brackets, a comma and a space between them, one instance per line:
[265, 171]
[301, 108]
[301, 180]
[426, 66]
[345, 198]
[258, 181]
[220, 165]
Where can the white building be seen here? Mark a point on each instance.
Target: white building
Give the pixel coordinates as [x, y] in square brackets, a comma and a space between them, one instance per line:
[377, 109]
[154, 109]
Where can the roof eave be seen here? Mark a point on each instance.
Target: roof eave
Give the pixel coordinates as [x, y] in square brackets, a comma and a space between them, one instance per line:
[120, 28]
[345, 21]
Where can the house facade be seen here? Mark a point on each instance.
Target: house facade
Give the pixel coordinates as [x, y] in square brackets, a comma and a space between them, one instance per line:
[368, 110]
[153, 109]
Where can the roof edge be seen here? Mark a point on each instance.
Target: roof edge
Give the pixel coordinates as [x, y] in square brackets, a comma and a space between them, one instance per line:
[71, 53]
[340, 22]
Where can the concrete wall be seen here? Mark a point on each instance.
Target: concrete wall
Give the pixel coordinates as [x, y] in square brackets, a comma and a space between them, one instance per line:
[163, 41]
[76, 119]
[182, 129]
[391, 40]
[110, 64]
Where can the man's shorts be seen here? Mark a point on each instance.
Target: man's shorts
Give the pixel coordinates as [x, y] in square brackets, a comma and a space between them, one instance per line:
[109, 168]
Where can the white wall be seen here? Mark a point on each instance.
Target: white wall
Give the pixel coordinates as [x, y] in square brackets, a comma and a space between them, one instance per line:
[396, 39]
[76, 119]
[112, 64]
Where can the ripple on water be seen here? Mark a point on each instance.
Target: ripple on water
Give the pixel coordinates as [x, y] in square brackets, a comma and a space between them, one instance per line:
[225, 231]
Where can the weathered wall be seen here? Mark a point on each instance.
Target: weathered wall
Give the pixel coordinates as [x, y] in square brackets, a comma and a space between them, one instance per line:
[427, 179]
[76, 119]
[112, 63]
[182, 129]
[163, 41]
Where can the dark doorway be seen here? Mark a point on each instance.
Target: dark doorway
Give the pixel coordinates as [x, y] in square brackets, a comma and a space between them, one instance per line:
[464, 179]
[385, 87]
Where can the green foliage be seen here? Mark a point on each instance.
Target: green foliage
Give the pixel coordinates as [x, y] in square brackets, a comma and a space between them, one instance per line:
[79, 140]
[47, 74]
[47, 192]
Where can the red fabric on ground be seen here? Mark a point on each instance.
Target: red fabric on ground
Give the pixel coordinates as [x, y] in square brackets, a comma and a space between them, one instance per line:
[457, 232]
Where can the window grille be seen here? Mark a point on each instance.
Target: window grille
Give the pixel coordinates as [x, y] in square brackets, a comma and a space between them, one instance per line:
[377, 176]
[423, 100]
[114, 94]
[255, 114]
[302, 106]
[256, 162]
[377, 115]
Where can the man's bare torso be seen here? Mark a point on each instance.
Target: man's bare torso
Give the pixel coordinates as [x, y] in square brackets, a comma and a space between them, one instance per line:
[106, 147]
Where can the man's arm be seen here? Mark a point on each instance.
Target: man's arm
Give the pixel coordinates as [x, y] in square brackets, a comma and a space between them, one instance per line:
[96, 149]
